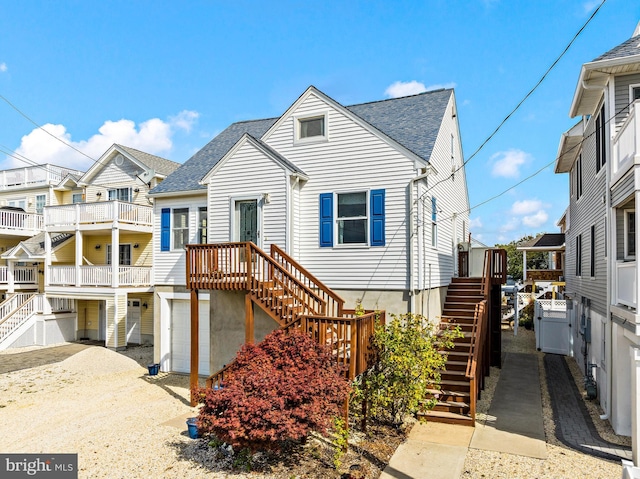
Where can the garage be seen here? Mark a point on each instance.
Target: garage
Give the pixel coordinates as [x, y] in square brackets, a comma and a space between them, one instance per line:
[181, 336]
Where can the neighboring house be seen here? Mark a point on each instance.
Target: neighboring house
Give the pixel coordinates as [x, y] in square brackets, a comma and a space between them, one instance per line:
[369, 198]
[93, 254]
[553, 245]
[601, 154]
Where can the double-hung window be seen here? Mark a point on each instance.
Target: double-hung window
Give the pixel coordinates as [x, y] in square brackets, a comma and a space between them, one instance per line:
[629, 234]
[120, 194]
[601, 141]
[355, 218]
[352, 218]
[180, 227]
[202, 225]
[579, 255]
[592, 253]
[579, 177]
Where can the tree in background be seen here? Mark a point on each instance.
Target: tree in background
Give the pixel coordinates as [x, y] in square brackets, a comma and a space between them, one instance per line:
[535, 260]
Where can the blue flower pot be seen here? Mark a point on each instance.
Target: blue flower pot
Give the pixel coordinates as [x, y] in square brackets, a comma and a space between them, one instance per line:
[193, 428]
[153, 369]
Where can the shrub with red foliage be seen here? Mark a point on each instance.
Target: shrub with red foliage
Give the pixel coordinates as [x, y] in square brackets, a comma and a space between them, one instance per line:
[277, 391]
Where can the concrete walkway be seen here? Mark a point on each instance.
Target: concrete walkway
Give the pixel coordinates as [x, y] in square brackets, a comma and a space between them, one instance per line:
[514, 424]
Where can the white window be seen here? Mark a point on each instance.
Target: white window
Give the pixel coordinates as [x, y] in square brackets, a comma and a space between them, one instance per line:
[629, 234]
[180, 227]
[120, 194]
[311, 128]
[202, 225]
[352, 218]
[41, 200]
[77, 198]
[124, 254]
[634, 92]
[21, 203]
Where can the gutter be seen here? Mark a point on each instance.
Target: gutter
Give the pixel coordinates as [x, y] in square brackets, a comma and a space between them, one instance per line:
[430, 170]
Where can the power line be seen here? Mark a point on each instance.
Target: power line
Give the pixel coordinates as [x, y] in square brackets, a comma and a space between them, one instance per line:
[517, 107]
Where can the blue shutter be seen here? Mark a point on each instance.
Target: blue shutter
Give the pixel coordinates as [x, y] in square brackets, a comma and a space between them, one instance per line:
[376, 197]
[165, 229]
[326, 219]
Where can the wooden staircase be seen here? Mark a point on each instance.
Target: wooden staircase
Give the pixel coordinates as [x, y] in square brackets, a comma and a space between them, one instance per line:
[288, 293]
[467, 306]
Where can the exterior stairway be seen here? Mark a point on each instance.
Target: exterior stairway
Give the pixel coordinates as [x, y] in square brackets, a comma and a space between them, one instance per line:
[288, 293]
[454, 391]
[15, 311]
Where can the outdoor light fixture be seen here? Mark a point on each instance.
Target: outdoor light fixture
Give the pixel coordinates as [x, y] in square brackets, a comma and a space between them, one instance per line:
[266, 197]
[136, 245]
[97, 246]
[145, 305]
[99, 193]
[137, 190]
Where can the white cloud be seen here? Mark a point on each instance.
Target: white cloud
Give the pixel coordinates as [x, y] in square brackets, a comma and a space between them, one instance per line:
[590, 5]
[399, 89]
[526, 207]
[3, 67]
[413, 87]
[507, 163]
[151, 136]
[510, 225]
[536, 220]
[475, 223]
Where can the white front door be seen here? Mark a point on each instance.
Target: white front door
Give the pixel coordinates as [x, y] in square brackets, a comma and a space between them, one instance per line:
[133, 321]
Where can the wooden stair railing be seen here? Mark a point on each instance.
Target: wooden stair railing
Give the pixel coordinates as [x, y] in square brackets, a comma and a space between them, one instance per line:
[334, 302]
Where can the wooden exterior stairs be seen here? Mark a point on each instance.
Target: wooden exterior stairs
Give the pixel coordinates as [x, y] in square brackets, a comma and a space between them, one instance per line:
[468, 305]
[287, 292]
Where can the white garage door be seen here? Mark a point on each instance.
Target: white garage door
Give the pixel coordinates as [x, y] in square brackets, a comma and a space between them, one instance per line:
[181, 336]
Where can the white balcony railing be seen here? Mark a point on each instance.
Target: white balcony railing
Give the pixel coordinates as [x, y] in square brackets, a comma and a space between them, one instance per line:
[100, 276]
[21, 274]
[19, 221]
[626, 285]
[99, 212]
[33, 176]
[626, 143]
[47, 305]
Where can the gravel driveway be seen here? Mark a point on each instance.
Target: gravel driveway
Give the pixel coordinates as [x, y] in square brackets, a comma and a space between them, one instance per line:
[103, 406]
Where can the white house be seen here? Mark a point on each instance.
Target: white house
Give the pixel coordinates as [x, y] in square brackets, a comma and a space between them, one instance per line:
[601, 154]
[371, 199]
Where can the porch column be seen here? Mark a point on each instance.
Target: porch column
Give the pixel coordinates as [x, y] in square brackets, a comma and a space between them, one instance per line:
[637, 241]
[524, 265]
[115, 254]
[78, 257]
[193, 377]
[47, 257]
[635, 403]
[11, 265]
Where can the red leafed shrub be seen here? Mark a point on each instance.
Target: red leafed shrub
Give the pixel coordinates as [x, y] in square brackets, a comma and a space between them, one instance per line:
[277, 391]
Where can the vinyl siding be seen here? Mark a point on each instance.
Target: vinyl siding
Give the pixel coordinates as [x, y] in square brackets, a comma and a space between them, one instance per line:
[29, 195]
[353, 159]
[65, 255]
[170, 266]
[141, 256]
[249, 173]
[112, 176]
[622, 96]
[623, 189]
[587, 211]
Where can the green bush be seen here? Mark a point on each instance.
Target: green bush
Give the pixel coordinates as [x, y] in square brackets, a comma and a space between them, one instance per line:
[409, 361]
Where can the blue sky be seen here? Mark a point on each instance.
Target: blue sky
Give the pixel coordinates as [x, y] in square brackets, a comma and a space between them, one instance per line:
[165, 77]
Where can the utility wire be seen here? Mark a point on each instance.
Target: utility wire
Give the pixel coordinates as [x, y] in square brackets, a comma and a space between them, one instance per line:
[517, 107]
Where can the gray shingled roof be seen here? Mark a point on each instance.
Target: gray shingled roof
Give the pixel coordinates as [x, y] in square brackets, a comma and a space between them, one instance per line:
[160, 165]
[625, 49]
[412, 121]
[35, 244]
[546, 240]
[186, 177]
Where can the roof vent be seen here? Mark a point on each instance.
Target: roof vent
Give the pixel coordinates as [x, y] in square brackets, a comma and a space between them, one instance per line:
[119, 160]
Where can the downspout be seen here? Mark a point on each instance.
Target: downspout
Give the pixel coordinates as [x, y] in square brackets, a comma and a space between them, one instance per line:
[609, 260]
[413, 235]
